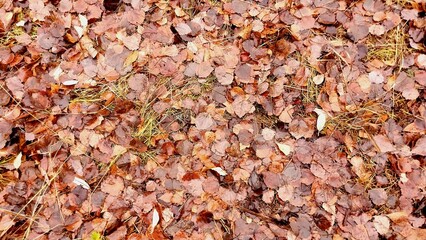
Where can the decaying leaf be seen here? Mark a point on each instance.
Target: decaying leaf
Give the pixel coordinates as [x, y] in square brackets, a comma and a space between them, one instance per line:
[196, 119]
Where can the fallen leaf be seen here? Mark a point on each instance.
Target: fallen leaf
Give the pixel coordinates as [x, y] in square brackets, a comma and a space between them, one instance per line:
[83, 20]
[420, 147]
[322, 222]
[410, 94]
[377, 29]
[284, 148]
[204, 69]
[15, 85]
[131, 58]
[302, 128]
[70, 82]
[6, 222]
[113, 185]
[358, 32]
[358, 166]
[381, 224]
[183, 29]
[268, 196]
[204, 121]
[155, 220]
[118, 150]
[18, 160]
[263, 151]
[268, 134]
[397, 216]
[378, 196]
[56, 72]
[376, 77]
[285, 193]
[120, 233]
[239, 6]
[322, 118]
[220, 171]
[421, 61]
[80, 182]
[318, 79]
[286, 114]
[244, 73]
[384, 143]
[223, 77]
[242, 106]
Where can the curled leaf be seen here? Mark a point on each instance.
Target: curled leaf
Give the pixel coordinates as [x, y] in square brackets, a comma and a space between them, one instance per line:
[220, 171]
[155, 220]
[70, 82]
[322, 118]
[81, 182]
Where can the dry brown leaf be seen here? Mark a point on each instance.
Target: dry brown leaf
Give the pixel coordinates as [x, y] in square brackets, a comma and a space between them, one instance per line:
[204, 69]
[285, 193]
[420, 147]
[113, 185]
[183, 29]
[378, 196]
[204, 121]
[382, 224]
[384, 143]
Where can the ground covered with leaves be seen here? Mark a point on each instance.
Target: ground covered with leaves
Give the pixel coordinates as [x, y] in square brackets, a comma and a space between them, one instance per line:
[209, 119]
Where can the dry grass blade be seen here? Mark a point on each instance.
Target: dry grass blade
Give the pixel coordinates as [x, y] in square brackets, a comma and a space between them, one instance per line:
[391, 48]
[149, 127]
[164, 88]
[369, 175]
[371, 115]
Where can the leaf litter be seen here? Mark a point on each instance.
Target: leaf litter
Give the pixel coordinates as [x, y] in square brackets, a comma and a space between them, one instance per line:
[212, 119]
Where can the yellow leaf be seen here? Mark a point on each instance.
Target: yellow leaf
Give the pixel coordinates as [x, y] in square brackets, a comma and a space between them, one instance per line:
[131, 58]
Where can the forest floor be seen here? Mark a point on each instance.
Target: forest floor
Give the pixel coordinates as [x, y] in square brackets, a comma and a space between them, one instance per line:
[208, 119]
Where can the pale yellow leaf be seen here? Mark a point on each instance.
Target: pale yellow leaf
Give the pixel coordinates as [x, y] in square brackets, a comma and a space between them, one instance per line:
[284, 148]
[18, 160]
[79, 31]
[321, 120]
[220, 171]
[83, 21]
[131, 59]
